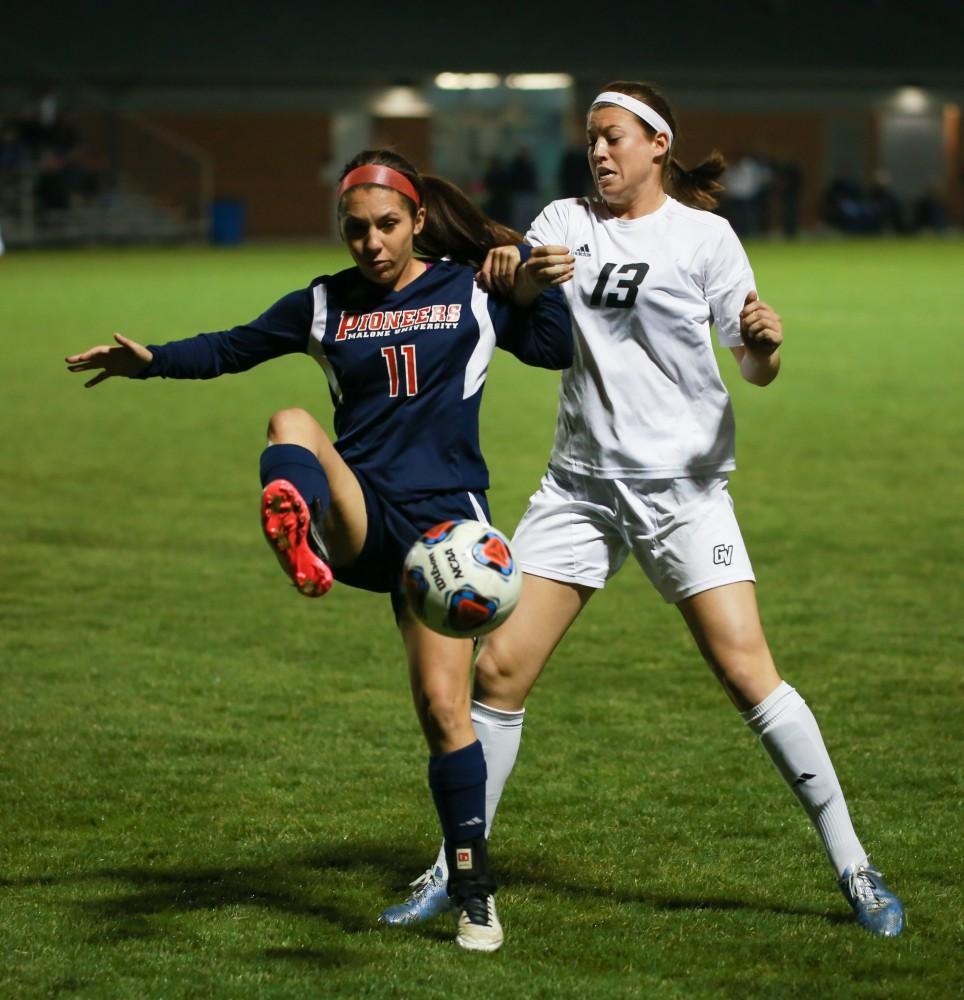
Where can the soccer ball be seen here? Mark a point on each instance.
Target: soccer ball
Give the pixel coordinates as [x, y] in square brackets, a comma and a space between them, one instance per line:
[461, 579]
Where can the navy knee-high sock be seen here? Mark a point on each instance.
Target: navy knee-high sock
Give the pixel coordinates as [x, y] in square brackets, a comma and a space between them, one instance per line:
[457, 780]
[302, 469]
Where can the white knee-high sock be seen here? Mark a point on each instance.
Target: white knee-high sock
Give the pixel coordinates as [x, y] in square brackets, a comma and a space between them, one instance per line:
[500, 733]
[791, 736]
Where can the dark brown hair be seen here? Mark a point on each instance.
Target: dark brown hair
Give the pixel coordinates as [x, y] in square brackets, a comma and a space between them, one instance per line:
[454, 226]
[699, 187]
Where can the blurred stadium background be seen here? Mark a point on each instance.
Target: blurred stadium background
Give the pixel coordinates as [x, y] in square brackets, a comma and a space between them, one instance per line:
[127, 121]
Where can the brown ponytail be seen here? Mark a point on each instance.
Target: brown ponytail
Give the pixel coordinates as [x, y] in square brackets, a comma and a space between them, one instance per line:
[699, 187]
[454, 226]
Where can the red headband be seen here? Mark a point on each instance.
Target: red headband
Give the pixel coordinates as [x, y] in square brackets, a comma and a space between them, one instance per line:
[373, 173]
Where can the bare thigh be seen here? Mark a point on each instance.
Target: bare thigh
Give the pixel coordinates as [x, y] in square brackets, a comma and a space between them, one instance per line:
[346, 521]
[512, 657]
[725, 622]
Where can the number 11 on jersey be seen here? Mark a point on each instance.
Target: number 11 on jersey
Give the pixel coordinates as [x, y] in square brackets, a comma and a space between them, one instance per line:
[390, 354]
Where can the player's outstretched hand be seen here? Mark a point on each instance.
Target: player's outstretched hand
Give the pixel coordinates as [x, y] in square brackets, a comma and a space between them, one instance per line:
[497, 273]
[127, 359]
[760, 326]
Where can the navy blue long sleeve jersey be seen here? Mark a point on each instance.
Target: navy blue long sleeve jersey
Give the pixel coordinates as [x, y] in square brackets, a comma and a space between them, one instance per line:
[405, 369]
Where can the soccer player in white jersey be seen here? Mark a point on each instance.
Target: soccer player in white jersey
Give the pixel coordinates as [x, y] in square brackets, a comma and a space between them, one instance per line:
[644, 442]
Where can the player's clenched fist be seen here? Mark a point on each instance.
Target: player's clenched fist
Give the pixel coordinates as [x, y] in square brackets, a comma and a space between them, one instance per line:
[760, 326]
[549, 266]
[504, 273]
[546, 266]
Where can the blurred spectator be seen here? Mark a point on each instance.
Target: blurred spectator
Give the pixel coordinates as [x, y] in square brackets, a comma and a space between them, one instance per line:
[43, 128]
[65, 180]
[845, 205]
[498, 196]
[886, 215]
[61, 171]
[930, 212]
[51, 190]
[84, 174]
[14, 152]
[575, 175]
[523, 187]
[747, 195]
[788, 183]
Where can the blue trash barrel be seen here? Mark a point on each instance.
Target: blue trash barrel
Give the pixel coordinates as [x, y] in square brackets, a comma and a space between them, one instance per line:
[227, 221]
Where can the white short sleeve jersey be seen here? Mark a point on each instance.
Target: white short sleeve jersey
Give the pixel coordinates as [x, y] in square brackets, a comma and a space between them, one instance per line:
[644, 397]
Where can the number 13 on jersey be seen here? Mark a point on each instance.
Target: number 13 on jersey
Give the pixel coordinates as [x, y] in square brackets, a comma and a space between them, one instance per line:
[407, 369]
[625, 289]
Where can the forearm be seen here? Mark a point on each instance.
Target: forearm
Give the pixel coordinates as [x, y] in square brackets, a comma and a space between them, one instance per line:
[525, 291]
[540, 334]
[282, 329]
[200, 357]
[209, 355]
[759, 368]
[762, 333]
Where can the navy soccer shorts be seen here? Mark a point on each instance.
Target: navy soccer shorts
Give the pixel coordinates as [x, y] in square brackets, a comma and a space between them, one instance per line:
[394, 524]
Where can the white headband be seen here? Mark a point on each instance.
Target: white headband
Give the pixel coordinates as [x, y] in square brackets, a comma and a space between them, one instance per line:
[640, 110]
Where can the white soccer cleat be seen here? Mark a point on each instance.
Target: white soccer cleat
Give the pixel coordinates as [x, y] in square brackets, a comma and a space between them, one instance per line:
[478, 927]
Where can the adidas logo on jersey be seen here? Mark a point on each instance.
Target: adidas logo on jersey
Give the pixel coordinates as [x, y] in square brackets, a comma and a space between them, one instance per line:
[582, 251]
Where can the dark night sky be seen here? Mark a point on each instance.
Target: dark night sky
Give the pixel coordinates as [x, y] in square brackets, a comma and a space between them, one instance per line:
[318, 43]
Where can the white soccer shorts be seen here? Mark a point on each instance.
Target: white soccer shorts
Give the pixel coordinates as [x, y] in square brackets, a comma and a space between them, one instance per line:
[682, 532]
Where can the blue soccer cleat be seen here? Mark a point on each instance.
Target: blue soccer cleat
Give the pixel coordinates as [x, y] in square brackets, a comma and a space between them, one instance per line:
[878, 909]
[429, 898]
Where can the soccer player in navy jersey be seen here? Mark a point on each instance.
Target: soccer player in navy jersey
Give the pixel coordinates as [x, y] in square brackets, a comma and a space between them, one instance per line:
[405, 338]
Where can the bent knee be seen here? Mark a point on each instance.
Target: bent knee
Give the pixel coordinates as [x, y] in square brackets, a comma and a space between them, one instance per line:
[744, 666]
[283, 421]
[498, 674]
[293, 425]
[445, 714]
[738, 642]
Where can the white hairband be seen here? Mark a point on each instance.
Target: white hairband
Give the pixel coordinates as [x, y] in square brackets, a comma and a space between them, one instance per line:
[638, 108]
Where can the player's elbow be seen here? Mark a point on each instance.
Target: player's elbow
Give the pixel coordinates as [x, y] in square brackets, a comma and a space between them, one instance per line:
[558, 351]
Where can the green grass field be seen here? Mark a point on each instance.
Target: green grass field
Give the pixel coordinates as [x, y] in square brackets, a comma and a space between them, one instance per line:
[210, 786]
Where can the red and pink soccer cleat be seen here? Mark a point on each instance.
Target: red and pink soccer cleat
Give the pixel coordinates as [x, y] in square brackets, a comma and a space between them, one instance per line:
[286, 522]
